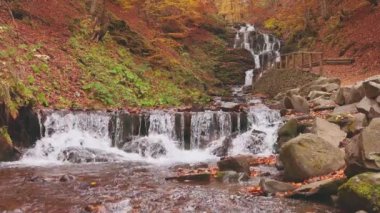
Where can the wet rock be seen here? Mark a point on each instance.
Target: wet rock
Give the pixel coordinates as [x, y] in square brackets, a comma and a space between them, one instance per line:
[231, 177]
[372, 89]
[296, 102]
[320, 188]
[255, 142]
[361, 192]
[270, 186]
[230, 106]
[7, 151]
[369, 107]
[288, 131]
[328, 131]
[348, 95]
[222, 150]
[345, 109]
[145, 148]
[239, 163]
[363, 154]
[87, 155]
[309, 156]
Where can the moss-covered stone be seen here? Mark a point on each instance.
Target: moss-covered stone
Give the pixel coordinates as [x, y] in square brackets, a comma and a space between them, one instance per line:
[361, 192]
[308, 155]
[7, 151]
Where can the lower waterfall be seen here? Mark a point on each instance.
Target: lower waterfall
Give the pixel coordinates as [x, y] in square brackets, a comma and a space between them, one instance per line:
[153, 137]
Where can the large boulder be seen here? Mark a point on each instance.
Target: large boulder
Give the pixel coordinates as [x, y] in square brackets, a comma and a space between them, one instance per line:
[328, 131]
[363, 154]
[348, 95]
[369, 107]
[308, 156]
[296, 102]
[361, 192]
[372, 89]
[7, 151]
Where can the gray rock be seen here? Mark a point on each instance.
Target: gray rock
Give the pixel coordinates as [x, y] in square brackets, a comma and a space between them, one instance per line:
[372, 89]
[356, 123]
[346, 109]
[369, 107]
[322, 188]
[348, 95]
[322, 102]
[363, 154]
[309, 156]
[145, 148]
[361, 193]
[87, 155]
[328, 131]
[296, 102]
[316, 94]
[270, 186]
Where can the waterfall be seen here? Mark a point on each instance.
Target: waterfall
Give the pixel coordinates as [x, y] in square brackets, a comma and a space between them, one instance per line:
[155, 137]
[265, 48]
[248, 78]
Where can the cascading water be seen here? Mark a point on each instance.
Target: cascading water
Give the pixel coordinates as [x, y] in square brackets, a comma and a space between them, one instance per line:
[265, 49]
[90, 137]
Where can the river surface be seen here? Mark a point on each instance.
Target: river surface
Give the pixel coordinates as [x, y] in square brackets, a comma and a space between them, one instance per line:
[128, 187]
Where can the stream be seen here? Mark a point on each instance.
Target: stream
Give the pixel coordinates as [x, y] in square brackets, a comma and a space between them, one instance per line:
[118, 161]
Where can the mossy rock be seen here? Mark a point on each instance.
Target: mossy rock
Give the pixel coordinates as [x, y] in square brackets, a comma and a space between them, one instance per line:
[361, 192]
[288, 131]
[308, 156]
[7, 151]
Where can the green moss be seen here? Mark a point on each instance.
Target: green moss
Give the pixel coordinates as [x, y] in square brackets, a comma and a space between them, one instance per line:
[4, 136]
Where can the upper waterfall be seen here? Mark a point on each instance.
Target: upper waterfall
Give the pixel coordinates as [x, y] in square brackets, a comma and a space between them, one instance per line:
[265, 48]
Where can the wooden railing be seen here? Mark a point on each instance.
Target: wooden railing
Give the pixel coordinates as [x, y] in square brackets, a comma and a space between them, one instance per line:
[302, 61]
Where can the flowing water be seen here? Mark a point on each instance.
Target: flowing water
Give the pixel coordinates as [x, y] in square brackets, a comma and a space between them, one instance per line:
[120, 160]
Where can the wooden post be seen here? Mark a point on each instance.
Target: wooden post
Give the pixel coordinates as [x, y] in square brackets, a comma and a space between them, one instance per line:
[310, 62]
[294, 60]
[287, 62]
[321, 65]
[302, 60]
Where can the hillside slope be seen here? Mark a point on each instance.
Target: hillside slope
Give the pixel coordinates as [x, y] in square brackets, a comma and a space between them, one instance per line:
[163, 55]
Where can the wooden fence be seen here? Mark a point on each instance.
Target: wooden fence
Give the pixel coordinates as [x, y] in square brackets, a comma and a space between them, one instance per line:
[302, 61]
